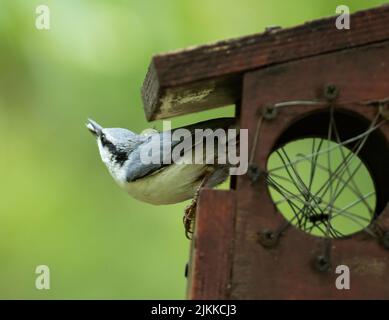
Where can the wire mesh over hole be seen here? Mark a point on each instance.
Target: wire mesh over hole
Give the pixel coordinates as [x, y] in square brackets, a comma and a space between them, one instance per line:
[321, 187]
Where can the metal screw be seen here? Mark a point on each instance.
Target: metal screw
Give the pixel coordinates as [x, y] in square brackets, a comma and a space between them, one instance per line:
[321, 263]
[331, 92]
[269, 112]
[253, 172]
[268, 238]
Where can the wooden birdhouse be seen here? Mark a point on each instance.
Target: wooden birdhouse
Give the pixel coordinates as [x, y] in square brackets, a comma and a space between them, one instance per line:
[285, 230]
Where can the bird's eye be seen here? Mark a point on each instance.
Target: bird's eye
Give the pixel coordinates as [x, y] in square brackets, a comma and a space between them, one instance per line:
[103, 139]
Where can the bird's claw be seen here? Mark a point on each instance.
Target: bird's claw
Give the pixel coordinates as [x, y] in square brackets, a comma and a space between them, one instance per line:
[189, 218]
[190, 211]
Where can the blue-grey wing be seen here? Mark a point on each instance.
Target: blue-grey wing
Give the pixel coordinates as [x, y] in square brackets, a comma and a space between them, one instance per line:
[148, 157]
[154, 153]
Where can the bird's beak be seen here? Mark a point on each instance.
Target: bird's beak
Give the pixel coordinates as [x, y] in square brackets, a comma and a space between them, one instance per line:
[94, 127]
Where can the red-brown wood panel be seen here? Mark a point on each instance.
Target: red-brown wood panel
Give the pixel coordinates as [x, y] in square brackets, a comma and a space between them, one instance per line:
[211, 261]
[285, 271]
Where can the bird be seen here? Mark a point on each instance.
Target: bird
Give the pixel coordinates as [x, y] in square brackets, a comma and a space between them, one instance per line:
[162, 182]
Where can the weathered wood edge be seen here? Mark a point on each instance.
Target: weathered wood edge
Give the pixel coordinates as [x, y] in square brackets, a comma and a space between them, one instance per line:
[209, 76]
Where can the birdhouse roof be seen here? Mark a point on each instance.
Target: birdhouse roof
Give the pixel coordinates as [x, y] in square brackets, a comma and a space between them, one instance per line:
[209, 76]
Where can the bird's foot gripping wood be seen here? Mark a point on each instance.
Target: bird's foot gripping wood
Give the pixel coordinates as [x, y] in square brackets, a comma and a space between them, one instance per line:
[189, 217]
[190, 211]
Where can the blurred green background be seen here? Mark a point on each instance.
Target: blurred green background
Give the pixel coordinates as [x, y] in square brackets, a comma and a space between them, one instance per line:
[58, 204]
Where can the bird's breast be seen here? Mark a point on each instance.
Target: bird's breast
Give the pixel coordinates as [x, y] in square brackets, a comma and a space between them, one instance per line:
[172, 184]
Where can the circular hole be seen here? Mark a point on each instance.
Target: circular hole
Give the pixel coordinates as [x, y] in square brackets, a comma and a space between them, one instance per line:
[321, 187]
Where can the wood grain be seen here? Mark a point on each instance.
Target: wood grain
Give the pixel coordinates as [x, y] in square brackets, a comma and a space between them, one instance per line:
[211, 260]
[286, 271]
[210, 76]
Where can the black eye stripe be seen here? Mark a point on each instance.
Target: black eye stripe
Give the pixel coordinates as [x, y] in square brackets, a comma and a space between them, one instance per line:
[119, 155]
[107, 143]
[103, 139]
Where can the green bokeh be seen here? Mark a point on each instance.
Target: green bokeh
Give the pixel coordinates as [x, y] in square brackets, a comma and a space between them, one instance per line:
[59, 206]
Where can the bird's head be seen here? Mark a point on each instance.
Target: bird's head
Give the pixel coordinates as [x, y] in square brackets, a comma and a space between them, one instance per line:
[115, 144]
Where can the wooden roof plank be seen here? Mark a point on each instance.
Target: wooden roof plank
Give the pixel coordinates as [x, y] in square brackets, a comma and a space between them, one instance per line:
[209, 76]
